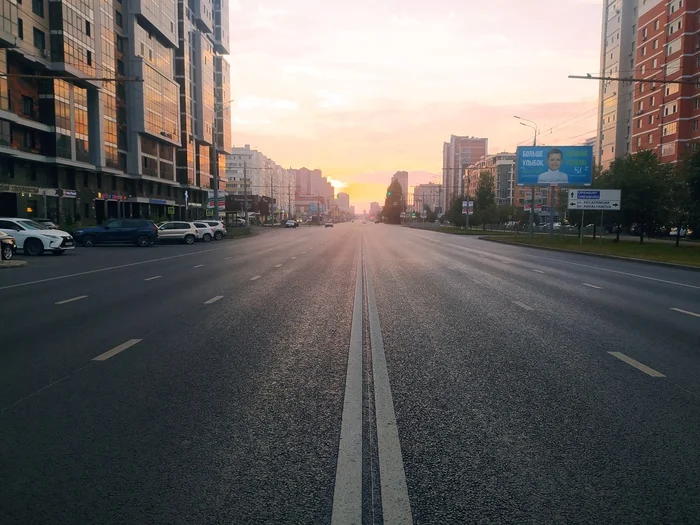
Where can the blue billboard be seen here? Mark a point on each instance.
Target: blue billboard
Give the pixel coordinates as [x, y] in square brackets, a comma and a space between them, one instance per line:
[549, 165]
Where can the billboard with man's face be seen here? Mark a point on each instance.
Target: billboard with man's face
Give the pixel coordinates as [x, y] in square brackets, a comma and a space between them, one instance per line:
[549, 165]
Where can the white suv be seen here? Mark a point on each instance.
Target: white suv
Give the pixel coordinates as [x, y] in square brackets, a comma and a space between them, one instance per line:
[218, 227]
[204, 231]
[180, 231]
[34, 239]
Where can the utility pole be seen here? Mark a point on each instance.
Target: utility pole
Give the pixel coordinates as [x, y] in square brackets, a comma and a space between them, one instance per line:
[272, 199]
[245, 193]
[289, 197]
[215, 154]
[467, 194]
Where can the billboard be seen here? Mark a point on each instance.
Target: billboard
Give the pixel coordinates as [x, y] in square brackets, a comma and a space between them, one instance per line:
[549, 165]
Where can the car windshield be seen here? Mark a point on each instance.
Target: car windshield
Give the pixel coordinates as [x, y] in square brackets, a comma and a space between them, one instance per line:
[31, 225]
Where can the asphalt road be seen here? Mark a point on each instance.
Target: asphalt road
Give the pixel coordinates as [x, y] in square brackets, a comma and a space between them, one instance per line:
[365, 373]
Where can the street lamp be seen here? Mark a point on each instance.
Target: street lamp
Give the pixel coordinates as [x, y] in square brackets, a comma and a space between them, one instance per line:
[215, 151]
[530, 124]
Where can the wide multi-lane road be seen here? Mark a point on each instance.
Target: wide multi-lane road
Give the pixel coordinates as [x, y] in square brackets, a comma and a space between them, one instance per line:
[361, 374]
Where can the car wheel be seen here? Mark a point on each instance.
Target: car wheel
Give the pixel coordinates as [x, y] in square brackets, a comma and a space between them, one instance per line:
[58, 252]
[206, 238]
[33, 247]
[143, 241]
[218, 236]
[7, 252]
[189, 239]
[89, 241]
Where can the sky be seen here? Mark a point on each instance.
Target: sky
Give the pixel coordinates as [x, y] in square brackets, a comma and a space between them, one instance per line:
[363, 89]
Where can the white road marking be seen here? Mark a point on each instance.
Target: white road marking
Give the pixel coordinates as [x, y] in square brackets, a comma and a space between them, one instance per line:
[293, 257]
[255, 278]
[592, 286]
[523, 305]
[538, 271]
[303, 253]
[227, 258]
[347, 495]
[117, 349]
[72, 299]
[636, 364]
[278, 266]
[396, 506]
[198, 266]
[214, 299]
[692, 286]
[685, 312]
[109, 268]
[153, 278]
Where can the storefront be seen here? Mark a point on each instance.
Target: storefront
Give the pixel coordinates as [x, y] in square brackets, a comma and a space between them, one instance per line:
[57, 205]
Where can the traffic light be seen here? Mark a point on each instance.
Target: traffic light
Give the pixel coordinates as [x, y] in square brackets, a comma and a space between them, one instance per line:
[388, 193]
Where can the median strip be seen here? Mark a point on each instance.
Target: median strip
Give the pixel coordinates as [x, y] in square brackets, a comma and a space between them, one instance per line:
[72, 299]
[116, 350]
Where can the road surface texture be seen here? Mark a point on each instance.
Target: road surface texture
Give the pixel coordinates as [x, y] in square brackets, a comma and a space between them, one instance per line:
[361, 374]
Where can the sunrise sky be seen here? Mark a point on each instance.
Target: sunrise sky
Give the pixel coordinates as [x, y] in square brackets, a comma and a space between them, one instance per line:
[362, 89]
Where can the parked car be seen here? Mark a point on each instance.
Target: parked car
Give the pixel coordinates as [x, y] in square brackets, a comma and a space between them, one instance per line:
[179, 231]
[329, 224]
[48, 223]
[140, 232]
[290, 224]
[8, 246]
[204, 231]
[219, 229]
[34, 239]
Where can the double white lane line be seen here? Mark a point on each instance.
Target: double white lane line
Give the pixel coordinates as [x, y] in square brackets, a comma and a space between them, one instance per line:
[347, 497]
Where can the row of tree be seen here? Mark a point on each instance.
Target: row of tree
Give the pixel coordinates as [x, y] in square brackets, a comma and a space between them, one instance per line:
[655, 195]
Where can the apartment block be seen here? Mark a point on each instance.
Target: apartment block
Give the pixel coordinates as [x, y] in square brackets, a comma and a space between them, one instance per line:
[314, 194]
[502, 167]
[617, 59]
[427, 194]
[457, 155]
[100, 134]
[667, 115]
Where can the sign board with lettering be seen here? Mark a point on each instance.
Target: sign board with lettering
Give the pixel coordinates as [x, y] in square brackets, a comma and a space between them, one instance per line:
[554, 165]
[594, 199]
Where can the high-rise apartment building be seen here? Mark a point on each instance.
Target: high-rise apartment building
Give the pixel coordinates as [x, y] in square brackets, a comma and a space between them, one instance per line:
[402, 178]
[502, 167]
[374, 208]
[430, 194]
[314, 193]
[78, 145]
[617, 59]
[457, 155]
[667, 116]
[344, 201]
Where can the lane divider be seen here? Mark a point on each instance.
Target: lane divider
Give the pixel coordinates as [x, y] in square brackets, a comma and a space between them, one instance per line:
[116, 350]
[72, 299]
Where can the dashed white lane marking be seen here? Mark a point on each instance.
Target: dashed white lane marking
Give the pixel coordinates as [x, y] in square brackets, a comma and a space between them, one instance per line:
[636, 364]
[198, 266]
[347, 495]
[293, 257]
[214, 299]
[227, 258]
[303, 253]
[592, 286]
[278, 266]
[523, 305]
[255, 278]
[117, 349]
[72, 299]
[152, 278]
[538, 271]
[685, 312]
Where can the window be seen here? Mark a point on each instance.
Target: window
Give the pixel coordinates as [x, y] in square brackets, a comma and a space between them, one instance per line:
[656, 43]
[651, 101]
[697, 103]
[639, 123]
[695, 125]
[27, 105]
[668, 149]
[118, 18]
[644, 33]
[651, 119]
[120, 43]
[87, 27]
[644, 68]
[673, 46]
[89, 58]
[650, 138]
[656, 25]
[644, 51]
[39, 39]
[670, 129]
[120, 67]
[640, 105]
[38, 7]
[20, 28]
[639, 142]
[29, 139]
[654, 63]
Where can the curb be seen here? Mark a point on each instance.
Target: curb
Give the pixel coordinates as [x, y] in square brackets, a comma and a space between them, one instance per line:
[6, 265]
[599, 255]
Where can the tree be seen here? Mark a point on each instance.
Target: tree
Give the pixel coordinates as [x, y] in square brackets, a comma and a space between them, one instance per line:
[645, 183]
[393, 204]
[431, 216]
[454, 214]
[485, 201]
[690, 172]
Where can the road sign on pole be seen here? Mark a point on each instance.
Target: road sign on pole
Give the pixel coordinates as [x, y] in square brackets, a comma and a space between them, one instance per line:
[594, 199]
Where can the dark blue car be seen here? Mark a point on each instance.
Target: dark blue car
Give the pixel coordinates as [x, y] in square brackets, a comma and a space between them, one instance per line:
[140, 232]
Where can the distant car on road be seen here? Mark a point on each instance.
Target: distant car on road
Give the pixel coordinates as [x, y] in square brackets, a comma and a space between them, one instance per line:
[290, 224]
[47, 223]
[34, 239]
[329, 224]
[140, 232]
[8, 246]
[364, 222]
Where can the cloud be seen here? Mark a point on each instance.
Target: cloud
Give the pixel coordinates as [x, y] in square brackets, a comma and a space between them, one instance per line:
[256, 103]
[301, 70]
[337, 184]
[331, 100]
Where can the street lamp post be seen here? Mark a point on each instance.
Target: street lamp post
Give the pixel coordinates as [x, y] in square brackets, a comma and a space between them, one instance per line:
[215, 152]
[533, 125]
